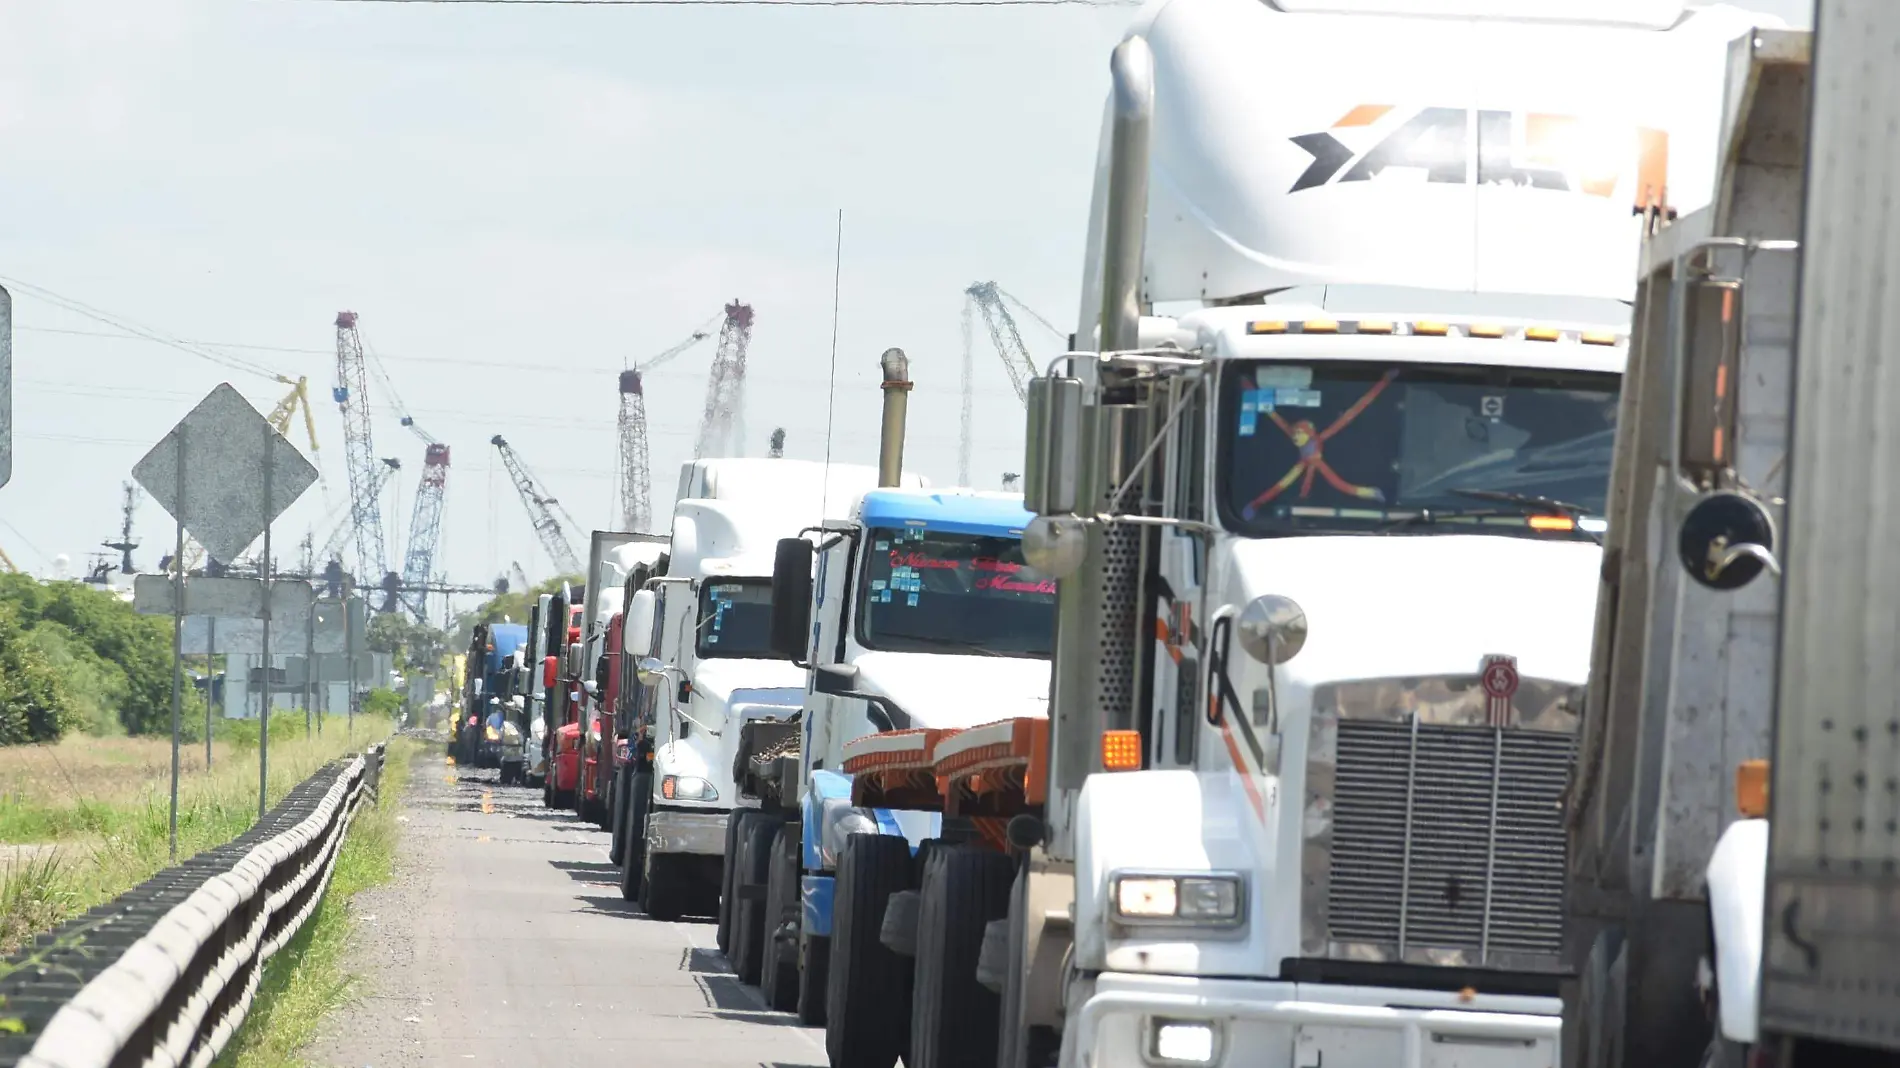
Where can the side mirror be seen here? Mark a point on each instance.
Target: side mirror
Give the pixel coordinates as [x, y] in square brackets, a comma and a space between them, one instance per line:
[1726, 540]
[550, 672]
[1712, 360]
[835, 679]
[637, 635]
[1052, 460]
[651, 672]
[791, 600]
[571, 664]
[478, 685]
[591, 689]
[1272, 628]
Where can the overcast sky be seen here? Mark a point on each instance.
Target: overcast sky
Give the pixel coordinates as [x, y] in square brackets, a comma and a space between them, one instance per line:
[516, 201]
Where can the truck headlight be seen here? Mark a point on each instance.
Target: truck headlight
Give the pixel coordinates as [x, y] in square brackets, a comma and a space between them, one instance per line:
[687, 788]
[1183, 1041]
[1212, 899]
[837, 821]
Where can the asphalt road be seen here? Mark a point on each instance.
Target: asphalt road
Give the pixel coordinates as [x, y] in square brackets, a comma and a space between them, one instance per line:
[503, 940]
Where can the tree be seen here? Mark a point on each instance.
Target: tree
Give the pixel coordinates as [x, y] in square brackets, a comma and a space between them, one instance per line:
[33, 707]
[414, 646]
[129, 654]
[505, 608]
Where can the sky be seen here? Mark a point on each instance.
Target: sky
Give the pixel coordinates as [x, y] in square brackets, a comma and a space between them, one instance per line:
[517, 201]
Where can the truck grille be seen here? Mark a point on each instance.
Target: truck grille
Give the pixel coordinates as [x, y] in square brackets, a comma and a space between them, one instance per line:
[1447, 843]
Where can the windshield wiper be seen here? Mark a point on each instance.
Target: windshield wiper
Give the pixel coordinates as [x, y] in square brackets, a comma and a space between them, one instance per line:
[968, 646]
[1528, 500]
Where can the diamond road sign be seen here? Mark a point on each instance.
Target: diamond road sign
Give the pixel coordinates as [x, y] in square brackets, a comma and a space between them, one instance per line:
[6, 386]
[223, 443]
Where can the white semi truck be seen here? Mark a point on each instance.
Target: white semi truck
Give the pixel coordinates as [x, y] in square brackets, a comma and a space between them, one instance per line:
[1327, 552]
[696, 641]
[1718, 922]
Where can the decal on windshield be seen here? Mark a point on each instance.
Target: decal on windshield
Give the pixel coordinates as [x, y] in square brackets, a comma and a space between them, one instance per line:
[1491, 407]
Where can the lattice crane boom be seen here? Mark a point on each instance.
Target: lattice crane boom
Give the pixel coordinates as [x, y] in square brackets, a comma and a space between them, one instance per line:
[425, 525]
[352, 399]
[988, 300]
[635, 476]
[340, 534]
[722, 423]
[540, 514]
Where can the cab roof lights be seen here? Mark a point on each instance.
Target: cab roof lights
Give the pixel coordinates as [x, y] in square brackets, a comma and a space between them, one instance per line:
[1432, 328]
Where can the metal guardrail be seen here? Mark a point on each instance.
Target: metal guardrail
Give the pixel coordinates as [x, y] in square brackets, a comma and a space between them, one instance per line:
[164, 974]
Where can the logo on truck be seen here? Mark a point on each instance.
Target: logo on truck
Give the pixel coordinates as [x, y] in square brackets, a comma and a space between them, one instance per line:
[1534, 150]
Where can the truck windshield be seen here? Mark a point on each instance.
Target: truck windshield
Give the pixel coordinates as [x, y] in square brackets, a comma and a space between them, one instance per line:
[1416, 449]
[735, 618]
[929, 592]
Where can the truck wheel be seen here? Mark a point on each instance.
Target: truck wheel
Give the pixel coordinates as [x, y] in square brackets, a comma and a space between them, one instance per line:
[666, 887]
[634, 848]
[617, 847]
[867, 993]
[750, 924]
[778, 969]
[547, 791]
[735, 826]
[1019, 1046]
[813, 970]
[953, 1021]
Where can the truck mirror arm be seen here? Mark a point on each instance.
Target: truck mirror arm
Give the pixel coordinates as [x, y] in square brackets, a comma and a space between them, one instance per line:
[885, 714]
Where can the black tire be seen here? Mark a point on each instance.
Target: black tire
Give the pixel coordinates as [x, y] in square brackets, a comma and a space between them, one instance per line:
[954, 1018]
[667, 887]
[748, 908]
[617, 846]
[778, 969]
[735, 826]
[814, 970]
[867, 994]
[547, 791]
[634, 849]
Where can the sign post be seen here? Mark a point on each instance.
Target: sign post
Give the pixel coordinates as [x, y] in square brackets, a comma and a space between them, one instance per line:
[6, 386]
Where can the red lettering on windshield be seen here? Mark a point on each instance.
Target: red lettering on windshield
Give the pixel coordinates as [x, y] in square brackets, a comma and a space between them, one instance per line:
[920, 561]
[984, 563]
[1004, 585]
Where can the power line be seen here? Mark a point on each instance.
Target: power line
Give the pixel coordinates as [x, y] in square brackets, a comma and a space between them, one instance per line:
[147, 333]
[757, 3]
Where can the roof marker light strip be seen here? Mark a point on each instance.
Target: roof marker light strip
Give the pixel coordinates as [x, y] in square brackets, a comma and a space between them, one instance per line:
[1429, 328]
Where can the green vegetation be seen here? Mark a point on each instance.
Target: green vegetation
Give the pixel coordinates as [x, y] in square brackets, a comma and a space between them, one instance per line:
[508, 607]
[381, 702]
[86, 819]
[76, 658]
[414, 647]
[306, 980]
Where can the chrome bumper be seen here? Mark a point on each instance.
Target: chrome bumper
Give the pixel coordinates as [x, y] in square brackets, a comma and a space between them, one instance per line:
[687, 832]
[1270, 1024]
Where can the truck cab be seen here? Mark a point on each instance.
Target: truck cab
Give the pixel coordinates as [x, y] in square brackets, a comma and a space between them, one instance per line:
[697, 636]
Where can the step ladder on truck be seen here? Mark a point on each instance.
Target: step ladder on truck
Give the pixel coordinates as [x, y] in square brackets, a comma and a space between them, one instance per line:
[1745, 631]
[1326, 547]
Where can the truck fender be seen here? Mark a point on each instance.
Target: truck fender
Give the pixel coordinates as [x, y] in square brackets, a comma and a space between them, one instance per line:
[1737, 877]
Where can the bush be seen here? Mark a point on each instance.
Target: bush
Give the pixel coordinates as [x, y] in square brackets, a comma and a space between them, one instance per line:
[381, 702]
[128, 656]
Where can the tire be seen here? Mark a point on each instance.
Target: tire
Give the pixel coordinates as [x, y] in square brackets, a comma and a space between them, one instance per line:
[617, 848]
[634, 849]
[778, 970]
[814, 969]
[666, 888]
[1018, 1046]
[547, 791]
[867, 993]
[735, 826]
[750, 923]
[954, 1018]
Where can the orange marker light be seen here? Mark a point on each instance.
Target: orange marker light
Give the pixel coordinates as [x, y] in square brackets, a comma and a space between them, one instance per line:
[1374, 326]
[1121, 750]
[1751, 788]
[1541, 333]
[1598, 337]
[667, 788]
[1485, 330]
[1267, 327]
[1552, 522]
[1319, 326]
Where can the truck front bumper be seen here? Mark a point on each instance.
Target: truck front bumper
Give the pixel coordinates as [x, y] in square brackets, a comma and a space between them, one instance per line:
[1141, 1021]
[677, 831]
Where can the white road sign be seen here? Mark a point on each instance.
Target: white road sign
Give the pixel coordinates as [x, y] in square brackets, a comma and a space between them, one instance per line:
[223, 443]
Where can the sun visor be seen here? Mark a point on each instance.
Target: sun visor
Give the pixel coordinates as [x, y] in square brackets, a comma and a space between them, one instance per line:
[1499, 157]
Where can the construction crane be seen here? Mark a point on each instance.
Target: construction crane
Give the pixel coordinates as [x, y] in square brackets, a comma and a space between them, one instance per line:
[345, 526]
[352, 400]
[7, 563]
[635, 476]
[722, 426]
[988, 299]
[425, 518]
[540, 506]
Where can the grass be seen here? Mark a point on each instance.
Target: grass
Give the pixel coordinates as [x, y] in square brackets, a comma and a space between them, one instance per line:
[306, 980]
[89, 818]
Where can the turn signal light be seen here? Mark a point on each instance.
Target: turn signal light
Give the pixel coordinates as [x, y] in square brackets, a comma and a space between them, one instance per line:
[1121, 750]
[1751, 788]
[1552, 522]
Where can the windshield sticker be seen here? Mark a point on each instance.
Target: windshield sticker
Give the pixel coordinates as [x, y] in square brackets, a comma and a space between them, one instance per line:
[882, 544]
[1492, 407]
[913, 600]
[1282, 375]
[1296, 398]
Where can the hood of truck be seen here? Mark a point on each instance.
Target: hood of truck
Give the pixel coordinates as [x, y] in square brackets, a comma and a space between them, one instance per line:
[726, 693]
[957, 690]
[1424, 604]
